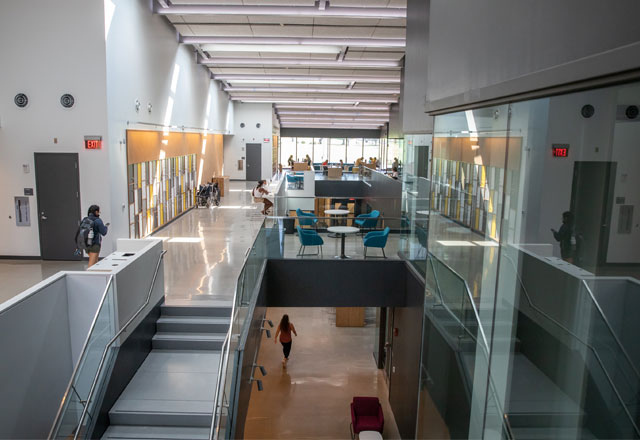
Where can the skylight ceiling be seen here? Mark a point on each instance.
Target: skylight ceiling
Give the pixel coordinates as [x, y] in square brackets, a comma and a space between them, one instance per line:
[316, 61]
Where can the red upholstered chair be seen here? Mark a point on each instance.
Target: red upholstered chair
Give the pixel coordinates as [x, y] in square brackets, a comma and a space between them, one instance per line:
[366, 415]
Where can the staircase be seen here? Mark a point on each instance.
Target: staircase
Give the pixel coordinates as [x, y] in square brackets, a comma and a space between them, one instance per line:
[171, 395]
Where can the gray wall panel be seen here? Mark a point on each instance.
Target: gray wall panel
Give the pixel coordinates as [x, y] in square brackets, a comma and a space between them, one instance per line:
[329, 133]
[495, 48]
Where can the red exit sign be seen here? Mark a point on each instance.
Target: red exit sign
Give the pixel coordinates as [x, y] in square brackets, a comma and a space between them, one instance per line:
[560, 150]
[93, 142]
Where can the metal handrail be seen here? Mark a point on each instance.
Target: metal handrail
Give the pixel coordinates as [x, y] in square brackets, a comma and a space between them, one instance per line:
[77, 366]
[579, 339]
[110, 343]
[224, 359]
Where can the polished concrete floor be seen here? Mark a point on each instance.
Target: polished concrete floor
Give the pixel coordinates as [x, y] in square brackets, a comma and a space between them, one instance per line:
[206, 248]
[328, 366]
[18, 275]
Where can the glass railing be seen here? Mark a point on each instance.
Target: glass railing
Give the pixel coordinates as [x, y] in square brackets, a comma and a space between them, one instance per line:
[75, 399]
[566, 407]
[225, 407]
[81, 403]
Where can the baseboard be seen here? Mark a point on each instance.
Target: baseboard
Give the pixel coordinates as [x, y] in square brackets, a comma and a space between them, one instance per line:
[20, 257]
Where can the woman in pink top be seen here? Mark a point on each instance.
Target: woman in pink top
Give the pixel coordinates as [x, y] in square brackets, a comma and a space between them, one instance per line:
[284, 330]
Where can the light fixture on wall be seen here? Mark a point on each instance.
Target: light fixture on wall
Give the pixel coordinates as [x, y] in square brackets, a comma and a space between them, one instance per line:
[242, 125]
[149, 107]
[137, 105]
[631, 112]
[21, 100]
[258, 125]
[587, 111]
[67, 100]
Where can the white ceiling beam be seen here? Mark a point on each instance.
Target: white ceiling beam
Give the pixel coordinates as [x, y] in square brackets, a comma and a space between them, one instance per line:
[285, 11]
[311, 90]
[331, 113]
[299, 62]
[313, 99]
[275, 77]
[342, 107]
[329, 124]
[363, 42]
[337, 119]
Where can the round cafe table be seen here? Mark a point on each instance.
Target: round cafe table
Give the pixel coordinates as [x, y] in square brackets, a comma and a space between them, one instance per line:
[342, 231]
[335, 213]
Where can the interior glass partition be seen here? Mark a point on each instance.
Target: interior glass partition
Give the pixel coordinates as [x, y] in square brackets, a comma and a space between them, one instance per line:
[532, 268]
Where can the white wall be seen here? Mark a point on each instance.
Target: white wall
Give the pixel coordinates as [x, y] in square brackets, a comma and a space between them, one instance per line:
[48, 49]
[494, 48]
[146, 63]
[234, 146]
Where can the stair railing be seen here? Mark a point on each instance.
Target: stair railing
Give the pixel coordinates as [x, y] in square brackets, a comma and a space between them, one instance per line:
[94, 383]
[579, 339]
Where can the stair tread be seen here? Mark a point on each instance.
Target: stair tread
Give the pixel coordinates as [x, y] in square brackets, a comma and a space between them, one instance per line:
[187, 336]
[155, 432]
[194, 320]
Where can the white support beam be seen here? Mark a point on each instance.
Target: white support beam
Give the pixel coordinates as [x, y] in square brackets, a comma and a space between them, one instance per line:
[379, 79]
[284, 11]
[342, 42]
[311, 90]
[311, 100]
[300, 62]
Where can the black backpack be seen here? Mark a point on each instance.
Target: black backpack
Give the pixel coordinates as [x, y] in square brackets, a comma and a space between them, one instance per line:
[82, 235]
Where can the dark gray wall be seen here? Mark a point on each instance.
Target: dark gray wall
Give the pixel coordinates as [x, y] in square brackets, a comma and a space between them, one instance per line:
[414, 84]
[384, 194]
[405, 358]
[496, 48]
[339, 188]
[329, 132]
[328, 283]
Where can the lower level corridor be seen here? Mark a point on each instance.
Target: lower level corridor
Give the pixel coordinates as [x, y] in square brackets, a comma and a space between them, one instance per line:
[328, 366]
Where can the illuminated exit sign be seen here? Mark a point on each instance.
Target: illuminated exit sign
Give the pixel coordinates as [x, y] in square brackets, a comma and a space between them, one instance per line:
[93, 142]
[560, 150]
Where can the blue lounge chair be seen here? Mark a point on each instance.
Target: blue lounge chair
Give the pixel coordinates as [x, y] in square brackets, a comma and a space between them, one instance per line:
[306, 218]
[377, 239]
[309, 237]
[367, 221]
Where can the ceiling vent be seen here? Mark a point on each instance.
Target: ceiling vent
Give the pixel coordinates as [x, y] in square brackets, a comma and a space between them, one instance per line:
[627, 113]
[67, 100]
[587, 111]
[21, 100]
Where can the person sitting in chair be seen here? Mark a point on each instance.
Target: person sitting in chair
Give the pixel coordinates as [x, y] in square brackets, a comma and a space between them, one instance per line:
[259, 193]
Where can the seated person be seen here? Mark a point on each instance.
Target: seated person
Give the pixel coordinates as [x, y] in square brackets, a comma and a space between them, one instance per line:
[259, 193]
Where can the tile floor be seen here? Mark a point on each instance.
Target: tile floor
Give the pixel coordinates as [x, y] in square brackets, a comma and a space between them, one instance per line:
[328, 366]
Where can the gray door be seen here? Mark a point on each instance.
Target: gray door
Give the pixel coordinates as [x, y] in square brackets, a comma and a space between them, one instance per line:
[254, 161]
[58, 194]
[591, 204]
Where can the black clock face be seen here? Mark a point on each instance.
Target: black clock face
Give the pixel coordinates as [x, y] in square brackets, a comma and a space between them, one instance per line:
[67, 100]
[587, 111]
[21, 100]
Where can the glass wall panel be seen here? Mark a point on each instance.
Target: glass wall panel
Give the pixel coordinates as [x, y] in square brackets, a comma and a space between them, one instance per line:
[287, 150]
[320, 150]
[395, 149]
[337, 150]
[371, 149]
[354, 150]
[304, 148]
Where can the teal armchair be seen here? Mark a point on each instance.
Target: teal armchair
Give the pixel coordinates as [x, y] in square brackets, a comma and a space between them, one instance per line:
[367, 221]
[306, 218]
[309, 237]
[376, 239]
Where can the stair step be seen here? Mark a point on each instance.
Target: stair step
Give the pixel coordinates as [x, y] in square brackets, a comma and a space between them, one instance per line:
[125, 432]
[188, 341]
[193, 324]
[143, 418]
[195, 311]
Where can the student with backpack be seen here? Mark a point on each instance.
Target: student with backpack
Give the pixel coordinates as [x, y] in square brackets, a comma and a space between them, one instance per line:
[90, 233]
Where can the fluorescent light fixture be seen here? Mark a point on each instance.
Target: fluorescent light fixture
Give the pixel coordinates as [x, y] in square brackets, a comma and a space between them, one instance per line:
[487, 243]
[346, 79]
[298, 62]
[298, 41]
[185, 240]
[285, 113]
[287, 11]
[455, 243]
[310, 90]
[284, 81]
[331, 107]
[288, 48]
[331, 118]
[341, 124]
[316, 100]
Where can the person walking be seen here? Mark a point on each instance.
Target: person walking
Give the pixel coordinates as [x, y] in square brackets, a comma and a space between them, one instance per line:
[99, 230]
[285, 328]
[566, 237]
